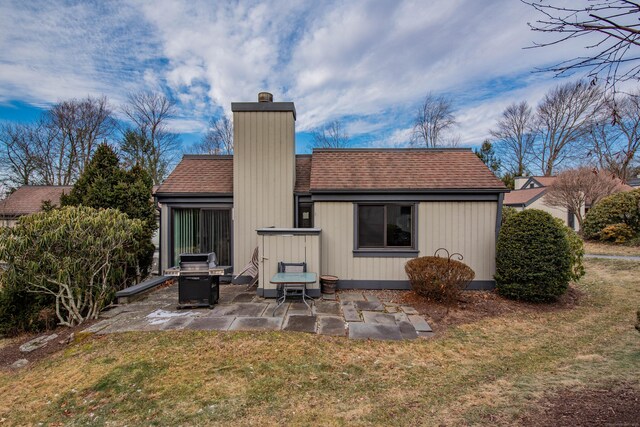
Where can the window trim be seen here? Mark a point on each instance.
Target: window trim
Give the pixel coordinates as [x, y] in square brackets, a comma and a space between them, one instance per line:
[386, 251]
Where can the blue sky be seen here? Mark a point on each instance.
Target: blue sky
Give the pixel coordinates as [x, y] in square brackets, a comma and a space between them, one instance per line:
[367, 63]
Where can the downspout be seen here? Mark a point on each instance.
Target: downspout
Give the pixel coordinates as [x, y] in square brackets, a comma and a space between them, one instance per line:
[499, 215]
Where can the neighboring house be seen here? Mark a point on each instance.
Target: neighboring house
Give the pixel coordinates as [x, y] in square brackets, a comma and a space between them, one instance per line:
[634, 182]
[529, 194]
[28, 199]
[359, 214]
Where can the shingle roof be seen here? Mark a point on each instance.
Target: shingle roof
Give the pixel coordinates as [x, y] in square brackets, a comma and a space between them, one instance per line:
[303, 174]
[400, 169]
[28, 199]
[545, 181]
[209, 174]
[522, 197]
[200, 174]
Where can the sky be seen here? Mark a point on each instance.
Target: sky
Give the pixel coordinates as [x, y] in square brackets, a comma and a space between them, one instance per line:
[368, 64]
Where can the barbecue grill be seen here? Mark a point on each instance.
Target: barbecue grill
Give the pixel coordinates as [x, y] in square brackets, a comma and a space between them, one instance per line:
[198, 279]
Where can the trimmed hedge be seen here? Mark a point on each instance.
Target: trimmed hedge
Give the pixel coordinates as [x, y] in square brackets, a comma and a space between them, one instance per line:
[440, 279]
[619, 208]
[533, 257]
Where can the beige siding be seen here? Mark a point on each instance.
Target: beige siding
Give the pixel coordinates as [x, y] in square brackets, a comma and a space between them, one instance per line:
[263, 178]
[284, 247]
[561, 213]
[465, 227]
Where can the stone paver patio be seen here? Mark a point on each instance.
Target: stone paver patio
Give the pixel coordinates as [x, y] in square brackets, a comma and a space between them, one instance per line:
[358, 315]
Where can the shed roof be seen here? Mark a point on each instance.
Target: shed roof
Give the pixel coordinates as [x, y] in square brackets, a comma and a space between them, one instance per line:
[199, 173]
[400, 169]
[28, 199]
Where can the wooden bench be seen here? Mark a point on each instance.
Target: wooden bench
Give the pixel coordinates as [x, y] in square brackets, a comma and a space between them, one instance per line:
[135, 292]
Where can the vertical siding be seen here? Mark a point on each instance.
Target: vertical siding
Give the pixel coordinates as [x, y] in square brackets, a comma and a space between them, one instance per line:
[556, 212]
[263, 178]
[287, 248]
[465, 227]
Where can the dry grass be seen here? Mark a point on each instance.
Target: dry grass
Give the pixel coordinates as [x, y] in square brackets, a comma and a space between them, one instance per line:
[599, 248]
[489, 372]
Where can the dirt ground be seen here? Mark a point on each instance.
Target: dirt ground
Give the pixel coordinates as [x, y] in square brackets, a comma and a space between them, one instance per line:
[473, 306]
[610, 405]
[10, 347]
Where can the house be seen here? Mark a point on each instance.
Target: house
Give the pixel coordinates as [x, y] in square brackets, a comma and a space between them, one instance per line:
[634, 182]
[530, 193]
[28, 199]
[358, 214]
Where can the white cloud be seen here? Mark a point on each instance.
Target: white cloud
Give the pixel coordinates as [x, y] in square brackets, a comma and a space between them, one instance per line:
[366, 62]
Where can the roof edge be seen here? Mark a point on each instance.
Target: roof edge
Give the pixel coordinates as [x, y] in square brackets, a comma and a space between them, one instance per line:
[408, 190]
[207, 156]
[264, 107]
[437, 149]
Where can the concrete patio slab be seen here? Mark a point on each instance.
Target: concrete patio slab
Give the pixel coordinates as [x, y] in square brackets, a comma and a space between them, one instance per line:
[332, 325]
[350, 313]
[377, 317]
[242, 309]
[407, 331]
[177, 323]
[211, 323]
[300, 308]
[356, 296]
[331, 308]
[369, 306]
[280, 312]
[419, 323]
[298, 323]
[371, 298]
[244, 297]
[256, 324]
[363, 331]
[409, 310]
[329, 297]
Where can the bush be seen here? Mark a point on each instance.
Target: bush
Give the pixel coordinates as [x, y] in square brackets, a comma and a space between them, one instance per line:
[617, 233]
[533, 257]
[22, 311]
[74, 259]
[576, 248]
[508, 212]
[619, 208]
[437, 278]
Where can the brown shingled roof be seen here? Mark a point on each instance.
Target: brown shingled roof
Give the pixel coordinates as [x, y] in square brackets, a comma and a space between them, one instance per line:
[303, 174]
[200, 174]
[28, 199]
[522, 197]
[400, 169]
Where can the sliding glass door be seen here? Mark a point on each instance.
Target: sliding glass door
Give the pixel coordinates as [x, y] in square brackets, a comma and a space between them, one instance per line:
[202, 230]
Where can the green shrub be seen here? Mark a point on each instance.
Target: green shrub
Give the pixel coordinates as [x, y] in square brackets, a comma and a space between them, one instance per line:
[619, 208]
[507, 212]
[23, 311]
[576, 248]
[617, 233]
[105, 184]
[438, 278]
[533, 257]
[74, 257]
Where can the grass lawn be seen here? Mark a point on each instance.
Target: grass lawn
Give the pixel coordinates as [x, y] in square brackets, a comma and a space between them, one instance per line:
[495, 371]
[598, 248]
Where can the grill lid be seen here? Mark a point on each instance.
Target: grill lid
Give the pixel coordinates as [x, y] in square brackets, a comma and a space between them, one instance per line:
[202, 261]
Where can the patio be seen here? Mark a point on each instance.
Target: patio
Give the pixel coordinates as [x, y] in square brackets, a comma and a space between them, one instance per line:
[358, 315]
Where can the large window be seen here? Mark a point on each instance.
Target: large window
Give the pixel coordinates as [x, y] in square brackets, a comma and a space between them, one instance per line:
[202, 230]
[385, 226]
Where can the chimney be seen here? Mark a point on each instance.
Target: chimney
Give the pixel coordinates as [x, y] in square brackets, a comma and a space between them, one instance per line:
[265, 97]
[264, 171]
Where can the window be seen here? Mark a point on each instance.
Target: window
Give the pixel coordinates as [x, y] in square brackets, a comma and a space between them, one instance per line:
[202, 230]
[305, 215]
[385, 226]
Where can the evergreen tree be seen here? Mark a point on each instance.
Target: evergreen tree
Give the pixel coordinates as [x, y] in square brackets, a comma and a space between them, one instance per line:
[487, 154]
[105, 184]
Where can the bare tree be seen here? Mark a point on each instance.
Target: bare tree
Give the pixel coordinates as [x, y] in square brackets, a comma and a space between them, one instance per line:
[219, 137]
[82, 124]
[574, 188]
[18, 154]
[611, 26]
[563, 119]
[434, 118]
[331, 135]
[515, 136]
[615, 136]
[150, 112]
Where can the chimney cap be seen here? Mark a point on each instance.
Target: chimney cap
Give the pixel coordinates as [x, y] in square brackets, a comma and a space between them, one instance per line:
[265, 97]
